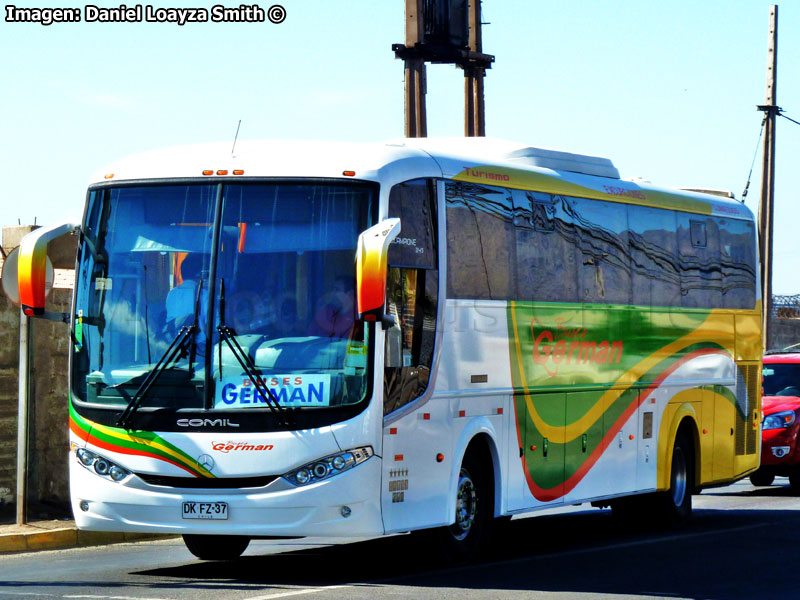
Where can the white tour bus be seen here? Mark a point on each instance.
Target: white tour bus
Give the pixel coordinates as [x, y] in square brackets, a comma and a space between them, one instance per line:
[320, 339]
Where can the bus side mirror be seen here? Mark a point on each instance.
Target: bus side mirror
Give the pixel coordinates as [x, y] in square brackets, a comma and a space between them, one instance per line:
[30, 286]
[372, 268]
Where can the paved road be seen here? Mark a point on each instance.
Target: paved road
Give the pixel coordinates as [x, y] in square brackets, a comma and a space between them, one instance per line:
[742, 543]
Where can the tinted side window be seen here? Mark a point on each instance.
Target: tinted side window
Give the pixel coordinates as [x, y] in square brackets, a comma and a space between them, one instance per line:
[545, 248]
[604, 264]
[698, 251]
[737, 260]
[414, 245]
[655, 276]
[480, 242]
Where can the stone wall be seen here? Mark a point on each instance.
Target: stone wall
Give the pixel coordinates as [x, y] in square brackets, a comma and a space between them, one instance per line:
[48, 442]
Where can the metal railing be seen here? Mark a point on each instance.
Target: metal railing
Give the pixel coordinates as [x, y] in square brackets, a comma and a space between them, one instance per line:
[786, 307]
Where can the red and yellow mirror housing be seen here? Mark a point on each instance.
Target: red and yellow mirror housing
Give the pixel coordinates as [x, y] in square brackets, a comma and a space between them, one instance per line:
[32, 268]
[371, 268]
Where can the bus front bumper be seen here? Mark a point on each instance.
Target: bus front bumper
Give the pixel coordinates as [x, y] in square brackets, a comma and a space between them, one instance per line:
[347, 505]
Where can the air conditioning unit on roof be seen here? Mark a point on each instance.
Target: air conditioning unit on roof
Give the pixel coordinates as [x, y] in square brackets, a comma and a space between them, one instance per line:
[564, 161]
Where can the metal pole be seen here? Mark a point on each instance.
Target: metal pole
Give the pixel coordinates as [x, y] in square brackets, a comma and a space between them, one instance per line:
[416, 117]
[474, 111]
[25, 327]
[765, 212]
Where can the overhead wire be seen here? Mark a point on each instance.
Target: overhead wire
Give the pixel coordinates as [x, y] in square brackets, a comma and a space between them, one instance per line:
[780, 114]
[755, 154]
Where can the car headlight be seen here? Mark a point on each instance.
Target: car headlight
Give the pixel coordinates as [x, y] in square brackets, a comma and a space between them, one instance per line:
[779, 420]
[328, 466]
[100, 465]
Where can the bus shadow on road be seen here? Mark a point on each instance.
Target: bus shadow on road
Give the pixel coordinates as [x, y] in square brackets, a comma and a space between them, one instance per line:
[587, 552]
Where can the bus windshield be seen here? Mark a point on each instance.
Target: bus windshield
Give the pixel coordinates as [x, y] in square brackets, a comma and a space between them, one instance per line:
[213, 290]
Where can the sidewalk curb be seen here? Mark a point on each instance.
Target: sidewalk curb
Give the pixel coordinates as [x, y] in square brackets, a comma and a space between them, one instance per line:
[67, 537]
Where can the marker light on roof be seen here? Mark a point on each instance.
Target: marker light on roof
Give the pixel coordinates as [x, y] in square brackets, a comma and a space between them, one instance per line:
[222, 172]
[110, 176]
[349, 173]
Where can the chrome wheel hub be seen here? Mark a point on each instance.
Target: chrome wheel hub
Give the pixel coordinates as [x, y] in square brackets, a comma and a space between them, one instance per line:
[466, 506]
[679, 483]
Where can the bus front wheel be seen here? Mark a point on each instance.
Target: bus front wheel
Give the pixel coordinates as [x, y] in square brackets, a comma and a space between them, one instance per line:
[474, 512]
[216, 547]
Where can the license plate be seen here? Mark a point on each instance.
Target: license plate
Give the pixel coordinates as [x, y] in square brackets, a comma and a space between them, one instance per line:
[205, 510]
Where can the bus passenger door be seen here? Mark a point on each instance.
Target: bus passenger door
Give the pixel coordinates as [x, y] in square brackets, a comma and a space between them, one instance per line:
[415, 482]
[543, 449]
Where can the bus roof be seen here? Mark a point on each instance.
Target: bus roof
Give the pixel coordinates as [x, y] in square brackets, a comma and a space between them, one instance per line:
[473, 160]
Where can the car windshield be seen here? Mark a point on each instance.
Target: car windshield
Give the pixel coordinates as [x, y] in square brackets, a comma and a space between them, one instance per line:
[165, 268]
[781, 379]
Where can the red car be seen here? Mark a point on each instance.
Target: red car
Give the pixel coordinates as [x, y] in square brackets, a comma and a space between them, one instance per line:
[780, 451]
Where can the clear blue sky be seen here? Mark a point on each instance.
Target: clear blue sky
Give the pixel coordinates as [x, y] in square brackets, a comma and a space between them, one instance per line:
[667, 90]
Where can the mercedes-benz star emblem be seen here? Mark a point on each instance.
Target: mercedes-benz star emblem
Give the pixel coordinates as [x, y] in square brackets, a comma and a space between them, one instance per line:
[205, 461]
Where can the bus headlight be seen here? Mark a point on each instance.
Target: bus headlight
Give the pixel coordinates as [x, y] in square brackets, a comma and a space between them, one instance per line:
[100, 465]
[329, 466]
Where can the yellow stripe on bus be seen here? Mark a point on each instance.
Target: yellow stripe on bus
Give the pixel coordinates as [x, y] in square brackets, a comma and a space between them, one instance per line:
[614, 190]
[153, 444]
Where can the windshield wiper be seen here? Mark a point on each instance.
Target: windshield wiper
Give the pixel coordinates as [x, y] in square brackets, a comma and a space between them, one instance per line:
[254, 374]
[177, 349]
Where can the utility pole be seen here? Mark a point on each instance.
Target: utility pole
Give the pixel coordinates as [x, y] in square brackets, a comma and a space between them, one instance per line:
[765, 211]
[25, 343]
[416, 117]
[474, 112]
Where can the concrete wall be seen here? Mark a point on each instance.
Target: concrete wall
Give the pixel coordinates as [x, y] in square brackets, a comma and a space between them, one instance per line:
[48, 445]
[785, 332]
[9, 352]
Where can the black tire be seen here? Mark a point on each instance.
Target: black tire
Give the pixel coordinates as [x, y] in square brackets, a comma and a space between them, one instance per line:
[761, 478]
[471, 533]
[216, 547]
[676, 502]
[794, 482]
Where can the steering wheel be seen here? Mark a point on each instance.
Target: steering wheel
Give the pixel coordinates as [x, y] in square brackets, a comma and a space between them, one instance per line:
[791, 390]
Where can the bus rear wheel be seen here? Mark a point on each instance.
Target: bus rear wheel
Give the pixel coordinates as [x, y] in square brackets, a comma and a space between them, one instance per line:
[676, 502]
[216, 547]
